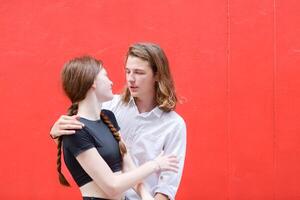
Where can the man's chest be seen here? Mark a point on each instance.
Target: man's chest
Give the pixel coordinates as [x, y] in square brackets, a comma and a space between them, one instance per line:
[144, 136]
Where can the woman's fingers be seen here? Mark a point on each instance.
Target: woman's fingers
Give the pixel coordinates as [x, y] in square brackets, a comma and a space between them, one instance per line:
[172, 156]
[168, 163]
[172, 168]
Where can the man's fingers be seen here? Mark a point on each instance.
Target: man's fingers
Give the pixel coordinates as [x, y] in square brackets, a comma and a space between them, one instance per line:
[67, 132]
[69, 118]
[75, 117]
[66, 117]
[70, 122]
[70, 126]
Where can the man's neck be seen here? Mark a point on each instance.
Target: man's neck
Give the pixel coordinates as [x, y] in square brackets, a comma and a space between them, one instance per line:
[145, 105]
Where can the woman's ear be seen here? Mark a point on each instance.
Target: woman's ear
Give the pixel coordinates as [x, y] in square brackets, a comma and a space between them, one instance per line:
[94, 85]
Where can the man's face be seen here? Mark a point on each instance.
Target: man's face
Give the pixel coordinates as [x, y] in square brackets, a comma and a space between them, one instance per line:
[140, 78]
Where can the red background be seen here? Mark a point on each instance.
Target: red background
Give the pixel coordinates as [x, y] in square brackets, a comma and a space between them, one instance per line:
[236, 68]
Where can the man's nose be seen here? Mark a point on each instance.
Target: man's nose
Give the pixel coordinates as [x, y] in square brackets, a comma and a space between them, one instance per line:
[131, 77]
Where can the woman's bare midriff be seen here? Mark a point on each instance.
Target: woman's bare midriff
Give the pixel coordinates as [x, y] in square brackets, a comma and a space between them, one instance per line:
[91, 189]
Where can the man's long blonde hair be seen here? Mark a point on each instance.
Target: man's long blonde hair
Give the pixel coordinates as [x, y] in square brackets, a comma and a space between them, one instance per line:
[165, 95]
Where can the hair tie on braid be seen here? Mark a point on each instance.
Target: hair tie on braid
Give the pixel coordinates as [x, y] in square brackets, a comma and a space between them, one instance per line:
[114, 132]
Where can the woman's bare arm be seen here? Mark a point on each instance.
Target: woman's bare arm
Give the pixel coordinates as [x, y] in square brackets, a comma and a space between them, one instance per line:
[139, 188]
[113, 184]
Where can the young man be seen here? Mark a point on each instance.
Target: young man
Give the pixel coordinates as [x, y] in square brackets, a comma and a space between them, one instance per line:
[145, 113]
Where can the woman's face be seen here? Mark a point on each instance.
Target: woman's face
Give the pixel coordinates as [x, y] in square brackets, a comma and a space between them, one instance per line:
[103, 86]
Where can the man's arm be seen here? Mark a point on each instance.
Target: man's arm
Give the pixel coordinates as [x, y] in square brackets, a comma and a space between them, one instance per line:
[140, 189]
[65, 125]
[175, 144]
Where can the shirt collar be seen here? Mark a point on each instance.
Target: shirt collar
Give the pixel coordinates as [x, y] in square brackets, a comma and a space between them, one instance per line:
[156, 111]
[131, 101]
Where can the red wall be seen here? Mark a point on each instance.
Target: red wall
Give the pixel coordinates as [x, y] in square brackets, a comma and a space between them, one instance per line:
[236, 67]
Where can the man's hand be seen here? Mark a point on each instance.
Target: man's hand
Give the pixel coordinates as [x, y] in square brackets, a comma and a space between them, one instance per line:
[65, 125]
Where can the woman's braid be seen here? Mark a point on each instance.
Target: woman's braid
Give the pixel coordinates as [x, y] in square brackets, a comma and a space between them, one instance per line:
[114, 132]
[71, 111]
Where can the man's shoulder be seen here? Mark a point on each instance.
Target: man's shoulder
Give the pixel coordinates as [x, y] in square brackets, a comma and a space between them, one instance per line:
[110, 105]
[173, 117]
[117, 98]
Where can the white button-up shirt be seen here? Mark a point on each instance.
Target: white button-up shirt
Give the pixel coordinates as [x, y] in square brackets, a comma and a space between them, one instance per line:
[146, 135]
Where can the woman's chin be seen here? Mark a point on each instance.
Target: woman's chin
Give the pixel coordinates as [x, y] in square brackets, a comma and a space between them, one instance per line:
[109, 98]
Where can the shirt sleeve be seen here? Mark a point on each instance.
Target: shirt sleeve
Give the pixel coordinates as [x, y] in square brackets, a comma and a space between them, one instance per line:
[78, 142]
[110, 105]
[175, 144]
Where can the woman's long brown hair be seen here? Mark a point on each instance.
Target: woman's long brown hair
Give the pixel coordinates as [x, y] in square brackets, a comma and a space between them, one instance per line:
[78, 76]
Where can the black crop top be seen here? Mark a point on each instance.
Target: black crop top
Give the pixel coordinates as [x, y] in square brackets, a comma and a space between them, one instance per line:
[93, 134]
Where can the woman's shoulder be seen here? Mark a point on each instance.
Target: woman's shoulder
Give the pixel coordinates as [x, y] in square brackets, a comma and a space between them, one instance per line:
[111, 117]
[107, 111]
[78, 135]
[109, 114]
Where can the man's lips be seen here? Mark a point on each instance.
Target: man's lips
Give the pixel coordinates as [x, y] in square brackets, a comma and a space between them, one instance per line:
[133, 87]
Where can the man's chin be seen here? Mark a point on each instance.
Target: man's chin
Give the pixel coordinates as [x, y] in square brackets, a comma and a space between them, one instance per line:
[134, 94]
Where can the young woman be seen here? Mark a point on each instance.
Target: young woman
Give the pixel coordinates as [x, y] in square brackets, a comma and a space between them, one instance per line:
[96, 155]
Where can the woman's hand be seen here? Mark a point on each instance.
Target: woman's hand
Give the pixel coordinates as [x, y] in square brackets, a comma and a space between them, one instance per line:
[167, 163]
[148, 198]
[65, 125]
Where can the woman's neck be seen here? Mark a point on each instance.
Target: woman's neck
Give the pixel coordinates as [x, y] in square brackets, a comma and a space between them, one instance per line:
[90, 108]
